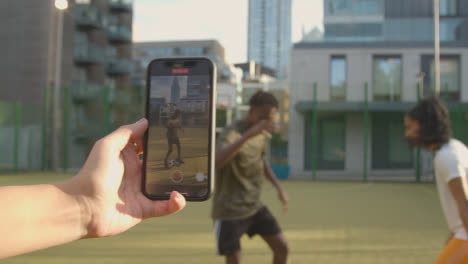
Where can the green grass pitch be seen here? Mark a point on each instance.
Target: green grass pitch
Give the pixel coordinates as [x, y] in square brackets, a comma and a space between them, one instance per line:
[328, 222]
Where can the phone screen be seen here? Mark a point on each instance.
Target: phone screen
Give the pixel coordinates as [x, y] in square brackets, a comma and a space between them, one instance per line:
[178, 140]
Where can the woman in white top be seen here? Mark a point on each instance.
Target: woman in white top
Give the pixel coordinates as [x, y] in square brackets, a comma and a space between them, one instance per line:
[428, 125]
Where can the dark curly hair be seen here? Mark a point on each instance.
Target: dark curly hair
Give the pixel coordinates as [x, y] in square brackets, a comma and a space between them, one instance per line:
[434, 121]
[262, 98]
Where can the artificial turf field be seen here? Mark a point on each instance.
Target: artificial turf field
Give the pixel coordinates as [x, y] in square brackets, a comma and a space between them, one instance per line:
[328, 222]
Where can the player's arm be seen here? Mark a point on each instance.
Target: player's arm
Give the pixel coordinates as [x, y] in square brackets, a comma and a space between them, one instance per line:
[179, 126]
[459, 194]
[270, 175]
[227, 153]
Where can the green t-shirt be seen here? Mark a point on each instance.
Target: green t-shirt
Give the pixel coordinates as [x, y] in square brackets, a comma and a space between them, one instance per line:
[238, 183]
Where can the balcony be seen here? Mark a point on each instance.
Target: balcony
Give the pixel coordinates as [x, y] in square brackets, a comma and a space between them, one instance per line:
[83, 91]
[119, 67]
[118, 33]
[88, 16]
[119, 97]
[87, 53]
[121, 5]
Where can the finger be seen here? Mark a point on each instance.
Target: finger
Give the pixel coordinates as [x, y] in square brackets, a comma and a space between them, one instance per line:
[129, 133]
[133, 168]
[175, 203]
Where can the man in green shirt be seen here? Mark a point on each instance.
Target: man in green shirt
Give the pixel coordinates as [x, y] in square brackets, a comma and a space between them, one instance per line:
[240, 170]
[173, 138]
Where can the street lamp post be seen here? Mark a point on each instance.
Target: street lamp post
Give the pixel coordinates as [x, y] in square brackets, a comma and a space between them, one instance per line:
[437, 47]
[61, 6]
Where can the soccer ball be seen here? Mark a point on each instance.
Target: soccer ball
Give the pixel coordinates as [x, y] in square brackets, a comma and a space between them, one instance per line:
[173, 163]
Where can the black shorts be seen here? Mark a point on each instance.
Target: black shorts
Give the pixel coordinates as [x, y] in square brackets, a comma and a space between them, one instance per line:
[229, 232]
[173, 140]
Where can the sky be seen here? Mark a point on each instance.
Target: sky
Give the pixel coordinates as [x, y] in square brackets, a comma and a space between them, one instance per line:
[223, 20]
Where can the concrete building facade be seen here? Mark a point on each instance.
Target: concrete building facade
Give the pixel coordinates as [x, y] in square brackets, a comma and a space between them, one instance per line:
[350, 91]
[95, 68]
[342, 121]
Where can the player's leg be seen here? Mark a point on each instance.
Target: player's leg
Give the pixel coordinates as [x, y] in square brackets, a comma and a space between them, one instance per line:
[228, 234]
[455, 252]
[266, 226]
[179, 151]
[279, 246]
[234, 258]
[169, 151]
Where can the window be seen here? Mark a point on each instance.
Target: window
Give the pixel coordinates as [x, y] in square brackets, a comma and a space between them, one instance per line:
[389, 149]
[448, 7]
[450, 29]
[368, 7]
[387, 78]
[332, 143]
[352, 7]
[330, 149]
[191, 51]
[353, 32]
[338, 7]
[111, 82]
[449, 76]
[338, 78]
[79, 74]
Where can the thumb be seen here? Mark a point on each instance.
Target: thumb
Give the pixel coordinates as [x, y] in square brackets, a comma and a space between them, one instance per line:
[175, 203]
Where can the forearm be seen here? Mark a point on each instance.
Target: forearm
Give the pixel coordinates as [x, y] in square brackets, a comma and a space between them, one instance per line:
[226, 154]
[39, 216]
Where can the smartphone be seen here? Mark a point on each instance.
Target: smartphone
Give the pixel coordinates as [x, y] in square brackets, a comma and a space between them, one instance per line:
[179, 143]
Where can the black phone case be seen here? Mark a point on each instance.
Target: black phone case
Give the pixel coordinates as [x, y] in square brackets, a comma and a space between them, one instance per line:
[211, 126]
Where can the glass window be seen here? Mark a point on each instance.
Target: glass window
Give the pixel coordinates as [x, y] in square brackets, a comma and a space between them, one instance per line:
[367, 7]
[448, 7]
[387, 78]
[81, 38]
[79, 74]
[338, 78]
[389, 149]
[338, 7]
[449, 75]
[191, 51]
[450, 29]
[330, 142]
[399, 151]
[111, 82]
